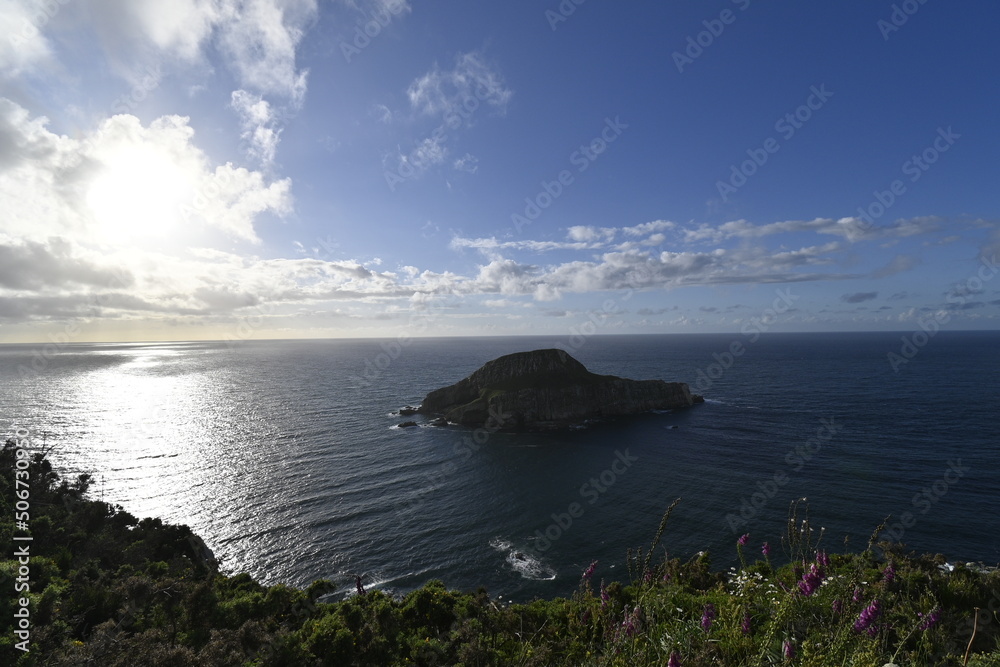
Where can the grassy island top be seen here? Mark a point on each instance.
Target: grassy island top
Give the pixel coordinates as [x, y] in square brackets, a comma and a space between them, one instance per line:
[105, 588]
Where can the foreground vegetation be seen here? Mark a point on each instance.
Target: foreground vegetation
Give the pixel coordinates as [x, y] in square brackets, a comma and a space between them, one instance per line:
[108, 589]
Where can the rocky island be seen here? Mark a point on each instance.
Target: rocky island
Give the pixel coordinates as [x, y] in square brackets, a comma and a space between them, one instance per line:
[547, 389]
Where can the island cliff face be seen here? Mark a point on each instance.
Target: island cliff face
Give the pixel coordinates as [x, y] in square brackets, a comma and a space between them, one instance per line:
[548, 389]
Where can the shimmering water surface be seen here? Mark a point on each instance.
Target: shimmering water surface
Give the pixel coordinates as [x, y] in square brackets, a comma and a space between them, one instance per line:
[283, 455]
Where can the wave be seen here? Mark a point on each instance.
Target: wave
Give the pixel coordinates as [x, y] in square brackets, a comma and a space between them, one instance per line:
[525, 564]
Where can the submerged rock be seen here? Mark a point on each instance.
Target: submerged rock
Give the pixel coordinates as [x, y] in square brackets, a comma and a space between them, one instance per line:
[547, 389]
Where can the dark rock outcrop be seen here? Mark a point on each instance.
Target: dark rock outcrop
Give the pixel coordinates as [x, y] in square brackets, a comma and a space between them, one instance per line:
[548, 389]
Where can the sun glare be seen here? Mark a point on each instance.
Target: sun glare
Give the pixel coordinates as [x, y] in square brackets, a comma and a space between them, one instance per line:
[139, 195]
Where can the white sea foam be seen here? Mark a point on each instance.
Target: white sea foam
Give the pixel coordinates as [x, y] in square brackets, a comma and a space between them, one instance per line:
[527, 565]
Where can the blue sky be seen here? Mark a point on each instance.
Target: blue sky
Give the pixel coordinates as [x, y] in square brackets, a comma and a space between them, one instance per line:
[204, 169]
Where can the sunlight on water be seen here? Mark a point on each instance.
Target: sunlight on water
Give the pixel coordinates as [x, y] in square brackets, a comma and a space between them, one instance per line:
[150, 422]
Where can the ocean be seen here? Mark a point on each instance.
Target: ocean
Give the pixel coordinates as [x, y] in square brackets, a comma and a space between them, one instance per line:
[286, 458]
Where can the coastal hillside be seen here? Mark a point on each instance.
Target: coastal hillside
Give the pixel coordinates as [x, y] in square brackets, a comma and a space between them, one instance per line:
[105, 588]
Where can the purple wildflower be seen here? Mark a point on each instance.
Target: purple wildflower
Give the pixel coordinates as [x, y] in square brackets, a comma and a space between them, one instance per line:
[857, 595]
[930, 620]
[811, 580]
[605, 598]
[868, 616]
[707, 617]
[675, 660]
[889, 573]
[789, 649]
[765, 549]
[744, 539]
[823, 558]
[589, 572]
[745, 625]
[631, 622]
[838, 607]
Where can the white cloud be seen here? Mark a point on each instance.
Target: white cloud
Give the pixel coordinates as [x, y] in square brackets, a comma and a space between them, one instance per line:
[122, 182]
[23, 45]
[257, 119]
[442, 92]
[176, 29]
[396, 7]
[260, 38]
[257, 39]
[491, 246]
[382, 113]
[852, 229]
[649, 228]
[589, 233]
[429, 152]
[239, 196]
[468, 163]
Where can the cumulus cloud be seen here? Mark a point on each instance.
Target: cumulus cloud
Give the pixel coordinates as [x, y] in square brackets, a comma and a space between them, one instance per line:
[124, 180]
[590, 234]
